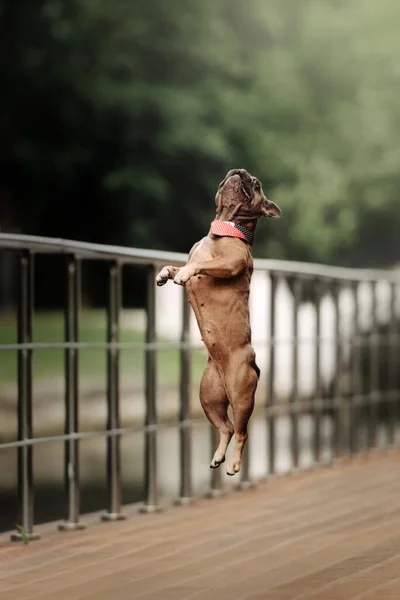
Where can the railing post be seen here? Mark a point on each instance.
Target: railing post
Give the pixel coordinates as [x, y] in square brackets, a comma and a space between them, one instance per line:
[185, 431]
[337, 385]
[245, 479]
[216, 487]
[113, 397]
[25, 453]
[151, 483]
[392, 355]
[318, 387]
[396, 352]
[374, 373]
[271, 376]
[72, 395]
[356, 388]
[294, 400]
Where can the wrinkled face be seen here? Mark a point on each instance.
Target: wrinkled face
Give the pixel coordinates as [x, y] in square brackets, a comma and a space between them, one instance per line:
[241, 194]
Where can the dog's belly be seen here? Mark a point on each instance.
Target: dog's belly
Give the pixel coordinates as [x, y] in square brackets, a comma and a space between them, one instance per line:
[222, 312]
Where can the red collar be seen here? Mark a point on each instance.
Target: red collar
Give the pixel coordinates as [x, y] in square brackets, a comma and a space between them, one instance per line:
[231, 229]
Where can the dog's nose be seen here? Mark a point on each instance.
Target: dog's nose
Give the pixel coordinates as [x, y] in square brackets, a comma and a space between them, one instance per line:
[241, 172]
[235, 175]
[245, 176]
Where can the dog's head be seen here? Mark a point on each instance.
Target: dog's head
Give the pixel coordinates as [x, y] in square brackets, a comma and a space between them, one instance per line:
[241, 195]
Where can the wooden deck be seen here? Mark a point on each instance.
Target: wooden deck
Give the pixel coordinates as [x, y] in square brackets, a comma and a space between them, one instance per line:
[329, 535]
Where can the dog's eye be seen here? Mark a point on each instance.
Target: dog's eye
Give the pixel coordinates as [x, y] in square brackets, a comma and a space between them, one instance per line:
[257, 185]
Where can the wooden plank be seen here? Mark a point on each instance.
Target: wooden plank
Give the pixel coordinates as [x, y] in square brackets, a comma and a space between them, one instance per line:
[328, 535]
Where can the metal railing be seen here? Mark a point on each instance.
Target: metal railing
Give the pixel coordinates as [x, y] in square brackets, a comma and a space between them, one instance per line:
[347, 407]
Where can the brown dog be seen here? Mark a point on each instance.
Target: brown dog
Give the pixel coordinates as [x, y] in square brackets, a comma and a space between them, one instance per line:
[217, 278]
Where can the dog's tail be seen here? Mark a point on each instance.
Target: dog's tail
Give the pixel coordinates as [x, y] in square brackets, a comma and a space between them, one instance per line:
[257, 370]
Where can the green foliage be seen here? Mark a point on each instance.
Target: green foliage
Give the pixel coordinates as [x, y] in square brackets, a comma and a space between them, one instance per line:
[122, 117]
[24, 534]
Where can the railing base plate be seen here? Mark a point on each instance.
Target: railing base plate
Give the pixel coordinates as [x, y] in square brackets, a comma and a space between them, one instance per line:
[245, 485]
[26, 537]
[68, 526]
[113, 517]
[216, 493]
[148, 509]
[184, 501]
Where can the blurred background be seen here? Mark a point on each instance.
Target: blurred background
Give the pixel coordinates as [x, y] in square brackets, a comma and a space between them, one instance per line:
[119, 119]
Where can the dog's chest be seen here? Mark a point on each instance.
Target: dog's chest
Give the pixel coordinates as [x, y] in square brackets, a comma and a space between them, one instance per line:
[200, 285]
[203, 251]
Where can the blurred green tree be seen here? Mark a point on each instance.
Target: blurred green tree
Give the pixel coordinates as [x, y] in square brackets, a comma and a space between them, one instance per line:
[119, 119]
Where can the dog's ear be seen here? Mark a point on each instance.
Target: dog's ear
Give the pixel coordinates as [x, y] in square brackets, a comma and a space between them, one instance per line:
[270, 209]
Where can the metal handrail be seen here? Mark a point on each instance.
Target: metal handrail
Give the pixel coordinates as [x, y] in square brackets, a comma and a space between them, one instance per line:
[324, 278]
[87, 250]
[144, 256]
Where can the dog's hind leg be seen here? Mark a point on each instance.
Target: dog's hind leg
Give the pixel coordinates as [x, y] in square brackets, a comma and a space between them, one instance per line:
[242, 379]
[215, 403]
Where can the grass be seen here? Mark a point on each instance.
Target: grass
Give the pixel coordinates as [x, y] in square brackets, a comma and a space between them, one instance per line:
[49, 363]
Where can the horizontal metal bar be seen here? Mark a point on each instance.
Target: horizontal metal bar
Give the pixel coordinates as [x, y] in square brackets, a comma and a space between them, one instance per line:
[309, 405]
[279, 410]
[102, 346]
[179, 345]
[144, 256]
[44, 245]
[81, 435]
[325, 272]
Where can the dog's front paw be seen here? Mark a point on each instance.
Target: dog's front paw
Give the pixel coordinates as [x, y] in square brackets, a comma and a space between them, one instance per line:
[183, 275]
[163, 276]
